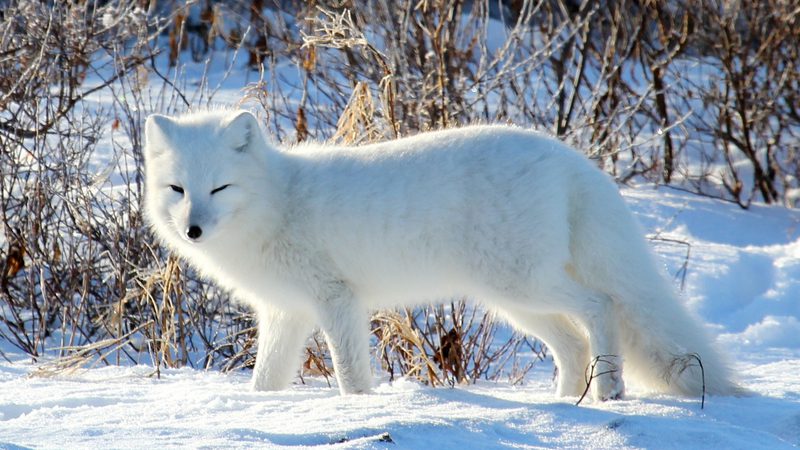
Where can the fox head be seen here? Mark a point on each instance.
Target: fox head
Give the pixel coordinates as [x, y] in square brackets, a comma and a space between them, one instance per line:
[202, 173]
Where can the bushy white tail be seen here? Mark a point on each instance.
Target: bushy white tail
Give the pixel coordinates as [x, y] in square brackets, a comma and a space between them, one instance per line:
[662, 345]
[665, 349]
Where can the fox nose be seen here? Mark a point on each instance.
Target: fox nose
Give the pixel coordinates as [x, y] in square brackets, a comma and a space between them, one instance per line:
[194, 232]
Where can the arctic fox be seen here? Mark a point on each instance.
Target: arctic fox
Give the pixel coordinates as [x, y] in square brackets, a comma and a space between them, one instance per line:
[319, 235]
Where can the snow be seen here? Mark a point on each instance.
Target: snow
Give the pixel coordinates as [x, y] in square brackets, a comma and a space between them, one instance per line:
[744, 269]
[123, 408]
[743, 280]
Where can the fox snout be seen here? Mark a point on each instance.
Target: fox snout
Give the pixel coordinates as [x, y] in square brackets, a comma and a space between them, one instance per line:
[197, 223]
[193, 232]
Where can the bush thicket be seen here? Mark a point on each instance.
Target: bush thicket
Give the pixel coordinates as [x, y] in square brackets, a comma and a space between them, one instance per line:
[700, 95]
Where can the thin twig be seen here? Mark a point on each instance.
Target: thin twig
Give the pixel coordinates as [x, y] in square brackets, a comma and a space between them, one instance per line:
[589, 374]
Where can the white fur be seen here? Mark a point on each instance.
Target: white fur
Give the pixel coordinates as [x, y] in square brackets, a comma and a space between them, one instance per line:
[318, 236]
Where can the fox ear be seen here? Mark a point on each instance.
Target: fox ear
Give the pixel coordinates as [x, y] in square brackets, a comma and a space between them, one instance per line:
[156, 128]
[240, 129]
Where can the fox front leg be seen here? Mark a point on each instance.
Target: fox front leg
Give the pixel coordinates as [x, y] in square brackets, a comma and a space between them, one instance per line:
[344, 322]
[281, 336]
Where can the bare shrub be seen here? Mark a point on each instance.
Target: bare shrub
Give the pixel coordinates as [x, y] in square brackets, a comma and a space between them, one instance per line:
[700, 95]
[48, 190]
[749, 98]
[451, 345]
[82, 277]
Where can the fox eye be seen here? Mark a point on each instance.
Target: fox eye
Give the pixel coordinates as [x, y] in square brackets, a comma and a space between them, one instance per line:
[219, 189]
[177, 189]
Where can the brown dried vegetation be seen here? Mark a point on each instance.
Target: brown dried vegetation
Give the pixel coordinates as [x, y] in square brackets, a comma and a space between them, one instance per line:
[702, 95]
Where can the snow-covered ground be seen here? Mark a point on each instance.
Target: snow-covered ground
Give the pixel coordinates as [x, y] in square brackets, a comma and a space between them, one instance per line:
[742, 278]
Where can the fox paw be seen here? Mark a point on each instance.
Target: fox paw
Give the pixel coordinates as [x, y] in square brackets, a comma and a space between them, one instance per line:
[615, 390]
[607, 383]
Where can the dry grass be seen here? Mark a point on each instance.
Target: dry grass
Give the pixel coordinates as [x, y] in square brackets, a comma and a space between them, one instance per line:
[401, 348]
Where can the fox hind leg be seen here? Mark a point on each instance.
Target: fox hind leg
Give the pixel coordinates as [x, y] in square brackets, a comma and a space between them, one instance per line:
[567, 307]
[596, 313]
[565, 339]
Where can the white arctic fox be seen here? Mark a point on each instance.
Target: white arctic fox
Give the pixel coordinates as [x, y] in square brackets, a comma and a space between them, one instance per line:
[319, 235]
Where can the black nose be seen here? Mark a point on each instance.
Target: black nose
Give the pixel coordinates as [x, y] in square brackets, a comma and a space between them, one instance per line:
[194, 232]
